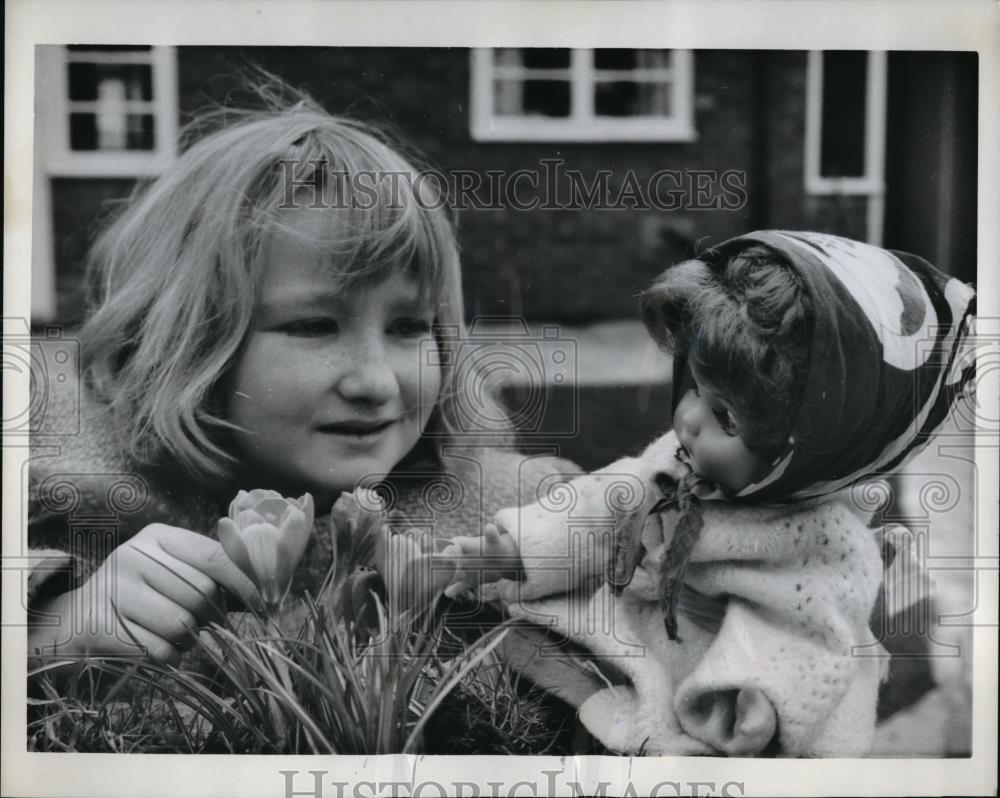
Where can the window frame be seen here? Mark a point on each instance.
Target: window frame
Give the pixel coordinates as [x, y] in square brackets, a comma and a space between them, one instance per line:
[52, 157]
[872, 182]
[53, 108]
[582, 124]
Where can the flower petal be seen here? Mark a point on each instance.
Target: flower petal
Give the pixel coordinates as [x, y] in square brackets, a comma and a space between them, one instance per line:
[273, 508]
[365, 584]
[341, 539]
[379, 540]
[232, 544]
[262, 544]
[243, 501]
[307, 506]
[260, 494]
[400, 552]
[248, 517]
[345, 512]
[291, 545]
[371, 512]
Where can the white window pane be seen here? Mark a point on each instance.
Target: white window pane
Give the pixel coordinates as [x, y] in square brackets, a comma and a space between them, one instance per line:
[508, 98]
[845, 80]
[111, 123]
[508, 57]
[653, 59]
[85, 80]
[609, 94]
[615, 59]
[631, 98]
[545, 57]
[532, 98]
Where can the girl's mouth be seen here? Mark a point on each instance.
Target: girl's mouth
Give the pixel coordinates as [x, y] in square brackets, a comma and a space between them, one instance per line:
[357, 429]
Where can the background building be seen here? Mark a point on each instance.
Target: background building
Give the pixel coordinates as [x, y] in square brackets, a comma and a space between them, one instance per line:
[632, 159]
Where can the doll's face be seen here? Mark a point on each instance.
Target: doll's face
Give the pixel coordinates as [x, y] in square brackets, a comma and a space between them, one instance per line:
[710, 434]
[329, 389]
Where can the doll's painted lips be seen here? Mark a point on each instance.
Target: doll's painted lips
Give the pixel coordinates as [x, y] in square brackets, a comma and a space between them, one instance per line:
[685, 457]
[357, 429]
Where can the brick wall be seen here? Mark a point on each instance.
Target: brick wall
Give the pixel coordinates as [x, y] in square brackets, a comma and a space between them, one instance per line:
[563, 265]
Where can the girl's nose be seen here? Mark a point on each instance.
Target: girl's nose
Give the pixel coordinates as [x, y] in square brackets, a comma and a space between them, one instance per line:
[369, 376]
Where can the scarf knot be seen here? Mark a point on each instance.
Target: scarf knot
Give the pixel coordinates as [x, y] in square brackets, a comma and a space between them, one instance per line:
[628, 550]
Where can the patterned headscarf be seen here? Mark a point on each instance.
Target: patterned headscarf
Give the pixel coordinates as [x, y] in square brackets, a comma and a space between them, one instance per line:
[890, 355]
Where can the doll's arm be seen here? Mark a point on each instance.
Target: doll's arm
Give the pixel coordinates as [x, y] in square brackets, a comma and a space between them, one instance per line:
[488, 558]
[566, 539]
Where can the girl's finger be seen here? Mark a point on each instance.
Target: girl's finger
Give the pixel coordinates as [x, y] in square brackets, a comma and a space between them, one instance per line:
[188, 587]
[134, 638]
[207, 556]
[508, 590]
[160, 616]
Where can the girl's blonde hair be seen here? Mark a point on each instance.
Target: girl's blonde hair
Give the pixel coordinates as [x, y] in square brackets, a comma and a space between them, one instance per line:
[173, 280]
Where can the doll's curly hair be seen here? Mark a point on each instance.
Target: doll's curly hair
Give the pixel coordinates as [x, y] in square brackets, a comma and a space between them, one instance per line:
[744, 324]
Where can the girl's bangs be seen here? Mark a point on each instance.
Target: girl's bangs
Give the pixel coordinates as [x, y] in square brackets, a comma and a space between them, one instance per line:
[370, 213]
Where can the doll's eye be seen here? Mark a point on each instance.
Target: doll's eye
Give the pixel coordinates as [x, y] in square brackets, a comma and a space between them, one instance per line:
[726, 421]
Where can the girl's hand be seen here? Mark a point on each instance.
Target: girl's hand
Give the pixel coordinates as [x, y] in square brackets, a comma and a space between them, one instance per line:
[155, 589]
[488, 558]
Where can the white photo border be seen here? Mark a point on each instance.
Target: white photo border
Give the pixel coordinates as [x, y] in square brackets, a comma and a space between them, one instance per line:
[753, 24]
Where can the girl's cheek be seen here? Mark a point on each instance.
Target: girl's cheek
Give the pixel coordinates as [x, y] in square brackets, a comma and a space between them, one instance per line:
[427, 376]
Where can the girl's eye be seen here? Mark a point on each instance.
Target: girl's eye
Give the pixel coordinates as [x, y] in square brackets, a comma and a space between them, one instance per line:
[310, 328]
[410, 327]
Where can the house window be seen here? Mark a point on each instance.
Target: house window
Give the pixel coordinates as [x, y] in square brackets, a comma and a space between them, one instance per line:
[101, 112]
[845, 122]
[109, 111]
[562, 94]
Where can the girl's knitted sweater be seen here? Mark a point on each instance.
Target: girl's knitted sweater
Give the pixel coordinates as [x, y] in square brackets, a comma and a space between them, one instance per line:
[776, 599]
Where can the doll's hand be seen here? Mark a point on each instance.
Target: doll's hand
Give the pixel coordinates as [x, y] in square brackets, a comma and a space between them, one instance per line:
[154, 590]
[737, 722]
[487, 558]
[756, 723]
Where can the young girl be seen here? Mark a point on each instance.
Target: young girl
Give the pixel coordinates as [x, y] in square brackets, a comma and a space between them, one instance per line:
[734, 611]
[267, 315]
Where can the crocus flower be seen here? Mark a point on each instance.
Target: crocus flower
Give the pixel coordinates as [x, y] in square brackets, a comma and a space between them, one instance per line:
[357, 523]
[266, 535]
[357, 529]
[411, 577]
[356, 601]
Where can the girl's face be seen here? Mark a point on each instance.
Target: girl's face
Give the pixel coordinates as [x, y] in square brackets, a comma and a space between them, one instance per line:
[710, 434]
[329, 388]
